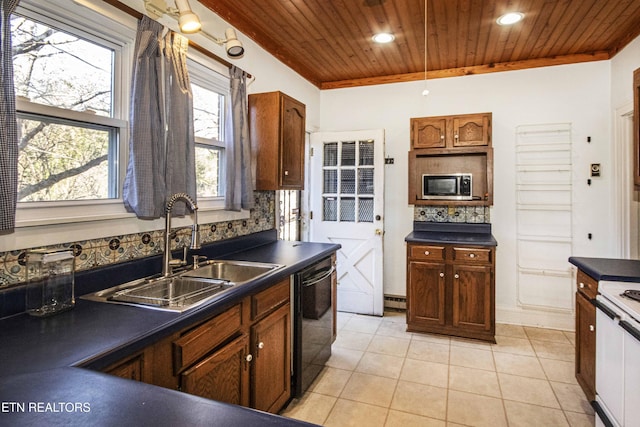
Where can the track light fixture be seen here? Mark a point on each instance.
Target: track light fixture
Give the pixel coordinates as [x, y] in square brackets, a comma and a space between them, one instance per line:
[190, 23]
[232, 44]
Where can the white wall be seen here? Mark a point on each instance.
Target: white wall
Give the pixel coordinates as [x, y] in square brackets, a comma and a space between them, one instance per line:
[578, 94]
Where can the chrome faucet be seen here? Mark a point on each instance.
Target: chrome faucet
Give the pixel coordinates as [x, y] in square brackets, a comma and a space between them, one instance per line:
[168, 262]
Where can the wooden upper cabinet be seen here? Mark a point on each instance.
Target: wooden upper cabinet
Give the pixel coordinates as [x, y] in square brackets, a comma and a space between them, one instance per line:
[468, 130]
[277, 127]
[636, 129]
[428, 132]
[472, 130]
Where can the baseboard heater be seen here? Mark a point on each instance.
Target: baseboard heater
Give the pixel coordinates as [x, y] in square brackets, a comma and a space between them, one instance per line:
[398, 302]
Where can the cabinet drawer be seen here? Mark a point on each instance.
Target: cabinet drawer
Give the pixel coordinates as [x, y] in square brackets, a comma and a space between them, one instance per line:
[200, 341]
[472, 255]
[587, 285]
[435, 253]
[269, 299]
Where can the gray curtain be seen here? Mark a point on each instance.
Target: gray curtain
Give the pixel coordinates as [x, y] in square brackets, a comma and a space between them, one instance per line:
[162, 143]
[239, 177]
[8, 124]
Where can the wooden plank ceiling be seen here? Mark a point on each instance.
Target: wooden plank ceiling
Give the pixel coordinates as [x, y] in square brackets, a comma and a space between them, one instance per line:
[328, 42]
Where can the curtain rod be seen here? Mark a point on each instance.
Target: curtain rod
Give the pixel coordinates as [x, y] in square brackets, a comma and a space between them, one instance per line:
[138, 15]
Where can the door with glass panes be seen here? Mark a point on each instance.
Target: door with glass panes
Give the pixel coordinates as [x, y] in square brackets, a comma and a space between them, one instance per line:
[346, 201]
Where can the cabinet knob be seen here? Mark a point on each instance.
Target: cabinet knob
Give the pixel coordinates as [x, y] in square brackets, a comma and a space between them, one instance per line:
[249, 358]
[286, 173]
[581, 285]
[441, 274]
[456, 276]
[261, 345]
[441, 136]
[455, 136]
[426, 252]
[472, 255]
[592, 328]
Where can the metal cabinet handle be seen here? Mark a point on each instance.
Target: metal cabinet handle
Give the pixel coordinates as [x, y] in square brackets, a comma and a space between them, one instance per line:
[592, 328]
[441, 274]
[260, 345]
[456, 276]
[249, 358]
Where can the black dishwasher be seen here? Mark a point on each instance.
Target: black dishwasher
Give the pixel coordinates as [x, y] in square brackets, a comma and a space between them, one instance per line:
[313, 323]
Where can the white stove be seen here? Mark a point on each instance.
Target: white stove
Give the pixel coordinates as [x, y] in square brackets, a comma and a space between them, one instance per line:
[613, 291]
[617, 355]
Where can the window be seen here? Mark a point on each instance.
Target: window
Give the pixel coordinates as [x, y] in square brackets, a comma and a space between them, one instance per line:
[64, 83]
[210, 94]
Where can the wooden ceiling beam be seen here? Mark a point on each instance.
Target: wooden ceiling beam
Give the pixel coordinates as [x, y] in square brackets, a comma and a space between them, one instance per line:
[468, 71]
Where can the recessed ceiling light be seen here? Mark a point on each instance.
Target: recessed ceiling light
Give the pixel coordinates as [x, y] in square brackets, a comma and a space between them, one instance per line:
[510, 18]
[383, 38]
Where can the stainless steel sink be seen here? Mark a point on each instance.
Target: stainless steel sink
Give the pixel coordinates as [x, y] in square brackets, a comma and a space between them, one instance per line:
[174, 293]
[184, 290]
[238, 272]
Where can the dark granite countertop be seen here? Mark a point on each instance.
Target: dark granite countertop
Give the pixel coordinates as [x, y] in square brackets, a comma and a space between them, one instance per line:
[618, 270]
[95, 334]
[80, 397]
[451, 233]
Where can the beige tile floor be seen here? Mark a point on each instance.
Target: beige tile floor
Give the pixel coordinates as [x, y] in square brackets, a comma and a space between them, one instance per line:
[381, 375]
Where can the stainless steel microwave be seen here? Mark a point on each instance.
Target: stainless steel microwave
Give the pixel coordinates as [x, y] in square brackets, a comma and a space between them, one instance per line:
[456, 186]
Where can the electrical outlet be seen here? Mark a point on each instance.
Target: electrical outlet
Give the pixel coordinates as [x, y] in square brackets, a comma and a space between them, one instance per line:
[389, 161]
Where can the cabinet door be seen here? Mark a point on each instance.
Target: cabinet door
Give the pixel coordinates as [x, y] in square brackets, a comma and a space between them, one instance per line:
[271, 365]
[131, 369]
[223, 376]
[586, 345]
[426, 293]
[471, 130]
[428, 132]
[636, 129]
[292, 140]
[472, 297]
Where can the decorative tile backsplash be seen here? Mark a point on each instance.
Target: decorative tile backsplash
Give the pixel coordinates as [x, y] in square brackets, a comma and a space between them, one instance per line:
[470, 214]
[111, 250]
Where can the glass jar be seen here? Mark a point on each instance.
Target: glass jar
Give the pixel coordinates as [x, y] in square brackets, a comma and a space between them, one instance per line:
[50, 282]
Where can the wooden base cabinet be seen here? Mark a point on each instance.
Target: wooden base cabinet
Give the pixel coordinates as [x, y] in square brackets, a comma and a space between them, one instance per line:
[587, 289]
[271, 365]
[223, 375]
[241, 356]
[451, 290]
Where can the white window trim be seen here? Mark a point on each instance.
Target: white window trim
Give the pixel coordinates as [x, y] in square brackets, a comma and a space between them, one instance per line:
[47, 223]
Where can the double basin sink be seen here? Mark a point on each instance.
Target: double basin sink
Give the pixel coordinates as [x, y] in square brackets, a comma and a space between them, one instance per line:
[187, 289]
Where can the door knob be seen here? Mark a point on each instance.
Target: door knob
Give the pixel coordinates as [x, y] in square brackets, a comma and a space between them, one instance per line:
[378, 232]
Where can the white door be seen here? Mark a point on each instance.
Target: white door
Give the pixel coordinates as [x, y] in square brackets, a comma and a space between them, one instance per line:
[347, 195]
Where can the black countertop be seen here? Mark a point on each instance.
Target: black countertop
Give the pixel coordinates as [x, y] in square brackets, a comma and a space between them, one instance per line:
[618, 270]
[95, 334]
[451, 233]
[80, 397]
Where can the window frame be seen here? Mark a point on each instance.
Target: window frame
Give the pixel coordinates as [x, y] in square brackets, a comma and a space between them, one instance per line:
[40, 223]
[209, 75]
